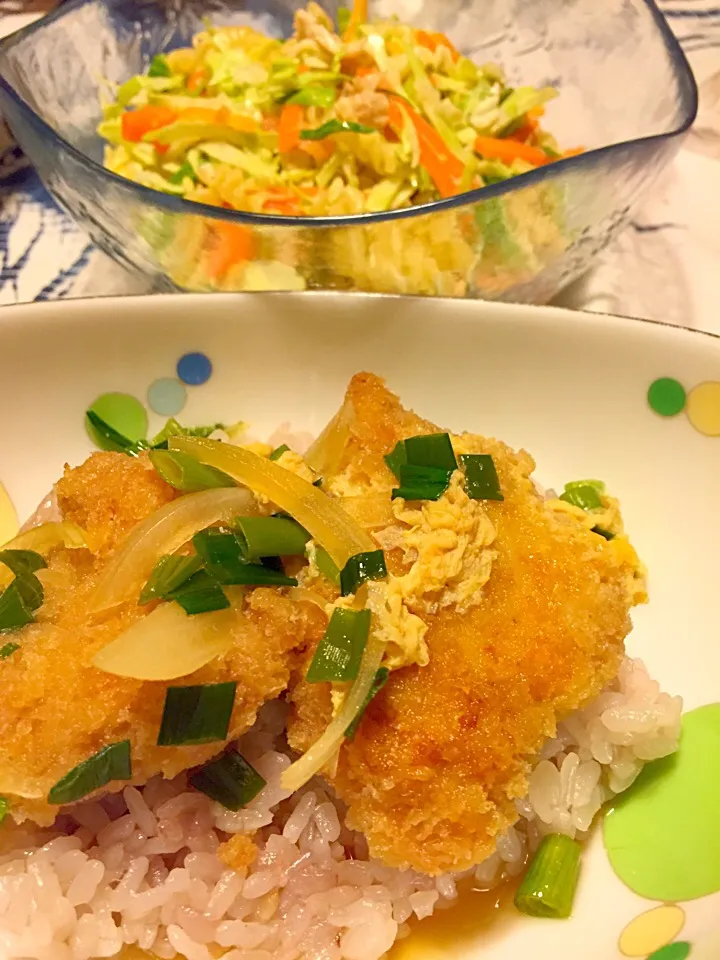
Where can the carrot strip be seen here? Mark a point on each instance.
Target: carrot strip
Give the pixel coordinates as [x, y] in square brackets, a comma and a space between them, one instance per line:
[196, 80]
[231, 243]
[358, 16]
[434, 40]
[493, 148]
[575, 152]
[289, 127]
[136, 124]
[443, 166]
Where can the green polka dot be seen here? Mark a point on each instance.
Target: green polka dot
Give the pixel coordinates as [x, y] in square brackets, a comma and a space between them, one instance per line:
[123, 413]
[673, 951]
[659, 836]
[666, 397]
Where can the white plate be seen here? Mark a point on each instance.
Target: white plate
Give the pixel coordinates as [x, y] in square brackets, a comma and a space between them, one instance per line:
[572, 388]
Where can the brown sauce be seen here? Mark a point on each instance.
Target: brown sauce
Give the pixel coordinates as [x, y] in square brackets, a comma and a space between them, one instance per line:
[476, 916]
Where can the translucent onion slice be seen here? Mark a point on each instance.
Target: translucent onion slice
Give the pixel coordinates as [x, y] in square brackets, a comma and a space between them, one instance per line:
[370, 512]
[323, 518]
[165, 531]
[324, 749]
[325, 454]
[41, 540]
[168, 644]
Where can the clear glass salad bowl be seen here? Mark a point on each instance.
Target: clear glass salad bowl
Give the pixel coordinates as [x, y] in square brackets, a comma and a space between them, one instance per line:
[627, 95]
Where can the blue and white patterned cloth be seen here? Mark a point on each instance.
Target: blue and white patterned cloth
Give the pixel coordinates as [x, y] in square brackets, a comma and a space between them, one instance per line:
[663, 267]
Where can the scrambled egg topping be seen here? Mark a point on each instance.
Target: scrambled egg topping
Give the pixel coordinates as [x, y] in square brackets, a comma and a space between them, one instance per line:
[448, 542]
[295, 464]
[609, 519]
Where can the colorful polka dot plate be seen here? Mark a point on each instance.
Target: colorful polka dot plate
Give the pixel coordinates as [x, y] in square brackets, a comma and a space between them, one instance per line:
[635, 403]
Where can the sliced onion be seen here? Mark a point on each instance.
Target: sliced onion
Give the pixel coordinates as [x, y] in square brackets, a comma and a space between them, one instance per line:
[323, 518]
[168, 644]
[325, 454]
[369, 512]
[42, 539]
[165, 531]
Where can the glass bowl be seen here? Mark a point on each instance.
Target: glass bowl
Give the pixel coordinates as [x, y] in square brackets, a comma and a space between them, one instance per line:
[627, 94]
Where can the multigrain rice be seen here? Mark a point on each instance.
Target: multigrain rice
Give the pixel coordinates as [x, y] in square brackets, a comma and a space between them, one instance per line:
[141, 867]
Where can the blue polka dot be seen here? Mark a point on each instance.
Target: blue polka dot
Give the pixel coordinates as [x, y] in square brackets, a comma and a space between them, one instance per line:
[194, 369]
[167, 396]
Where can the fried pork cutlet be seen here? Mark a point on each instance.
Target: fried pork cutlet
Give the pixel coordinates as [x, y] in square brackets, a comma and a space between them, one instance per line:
[57, 709]
[444, 749]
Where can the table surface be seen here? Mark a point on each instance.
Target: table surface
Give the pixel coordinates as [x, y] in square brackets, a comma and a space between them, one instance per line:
[662, 267]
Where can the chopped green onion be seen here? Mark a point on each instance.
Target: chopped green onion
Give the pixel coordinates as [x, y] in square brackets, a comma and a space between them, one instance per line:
[185, 473]
[326, 565]
[340, 651]
[397, 458]
[481, 479]
[270, 537]
[224, 559]
[431, 450]
[108, 438]
[173, 428]
[8, 649]
[18, 602]
[110, 763]
[22, 562]
[343, 19]
[194, 715]
[601, 531]
[159, 67]
[200, 594]
[599, 485]
[230, 781]
[362, 567]
[335, 126]
[381, 678]
[184, 173]
[314, 95]
[548, 887]
[168, 574]
[4, 808]
[421, 483]
[318, 482]
[583, 495]
[278, 452]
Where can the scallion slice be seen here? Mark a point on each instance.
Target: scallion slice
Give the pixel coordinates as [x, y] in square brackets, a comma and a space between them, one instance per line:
[18, 602]
[582, 494]
[186, 474]
[270, 537]
[481, 479]
[186, 171]
[548, 887]
[222, 555]
[111, 763]
[602, 532]
[169, 574]
[431, 450]
[326, 565]
[421, 483]
[340, 651]
[381, 678]
[278, 452]
[360, 568]
[159, 67]
[397, 458]
[8, 649]
[4, 808]
[173, 427]
[335, 126]
[314, 95]
[229, 780]
[200, 594]
[194, 715]
[22, 562]
[108, 438]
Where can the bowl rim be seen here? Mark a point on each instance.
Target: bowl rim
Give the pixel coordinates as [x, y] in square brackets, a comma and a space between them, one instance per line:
[685, 78]
[185, 307]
